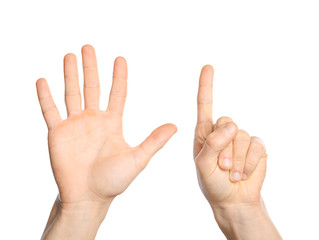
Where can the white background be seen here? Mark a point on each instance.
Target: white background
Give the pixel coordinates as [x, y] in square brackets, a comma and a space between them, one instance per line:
[266, 59]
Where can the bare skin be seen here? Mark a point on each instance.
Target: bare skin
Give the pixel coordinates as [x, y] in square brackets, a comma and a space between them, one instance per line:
[90, 159]
[92, 163]
[231, 168]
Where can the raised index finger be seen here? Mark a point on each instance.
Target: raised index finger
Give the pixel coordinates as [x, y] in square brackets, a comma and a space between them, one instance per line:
[205, 95]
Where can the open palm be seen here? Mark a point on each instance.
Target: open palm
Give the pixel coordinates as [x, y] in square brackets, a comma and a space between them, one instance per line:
[90, 159]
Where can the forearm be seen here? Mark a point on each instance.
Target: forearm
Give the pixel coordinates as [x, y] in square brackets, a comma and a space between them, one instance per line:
[79, 221]
[53, 214]
[246, 222]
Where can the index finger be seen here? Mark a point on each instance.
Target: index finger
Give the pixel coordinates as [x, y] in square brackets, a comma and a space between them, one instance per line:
[205, 95]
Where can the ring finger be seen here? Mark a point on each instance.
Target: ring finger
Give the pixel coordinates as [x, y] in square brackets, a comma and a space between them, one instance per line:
[241, 144]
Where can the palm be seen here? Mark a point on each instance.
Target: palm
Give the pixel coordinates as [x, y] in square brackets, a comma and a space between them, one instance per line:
[223, 190]
[89, 156]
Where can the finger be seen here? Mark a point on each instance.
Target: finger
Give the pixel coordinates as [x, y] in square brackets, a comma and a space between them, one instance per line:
[91, 78]
[119, 87]
[205, 95]
[258, 175]
[72, 88]
[255, 152]
[215, 142]
[225, 156]
[240, 147]
[204, 124]
[153, 143]
[49, 110]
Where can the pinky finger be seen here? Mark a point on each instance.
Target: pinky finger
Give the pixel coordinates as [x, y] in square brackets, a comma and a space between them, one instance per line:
[49, 110]
[255, 153]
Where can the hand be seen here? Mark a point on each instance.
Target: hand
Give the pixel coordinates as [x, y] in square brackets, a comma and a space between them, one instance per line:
[231, 168]
[231, 164]
[90, 159]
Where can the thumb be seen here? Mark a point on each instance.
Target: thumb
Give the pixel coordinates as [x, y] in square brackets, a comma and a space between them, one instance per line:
[215, 142]
[154, 142]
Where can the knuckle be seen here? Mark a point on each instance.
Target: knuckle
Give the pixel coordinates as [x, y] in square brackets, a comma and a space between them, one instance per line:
[72, 92]
[239, 159]
[119, 93]
[70, 76]
[242, 135]
[214, 142]
[91, 84]
[257, 148]
[204, 101]
[257, 141]
[223, 120]
[203, 129]
[205, 125]
[49, 109]
[227, 150]
[249, 166]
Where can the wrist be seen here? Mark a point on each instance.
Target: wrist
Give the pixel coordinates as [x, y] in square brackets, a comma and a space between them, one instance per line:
[245, 221]
[238, 212]
[77, 220]
[85, 210]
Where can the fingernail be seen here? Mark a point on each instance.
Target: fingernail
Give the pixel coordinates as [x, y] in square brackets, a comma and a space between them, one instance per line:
[236, 176]
[244, 176]
[230, 128]
[226, 163]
